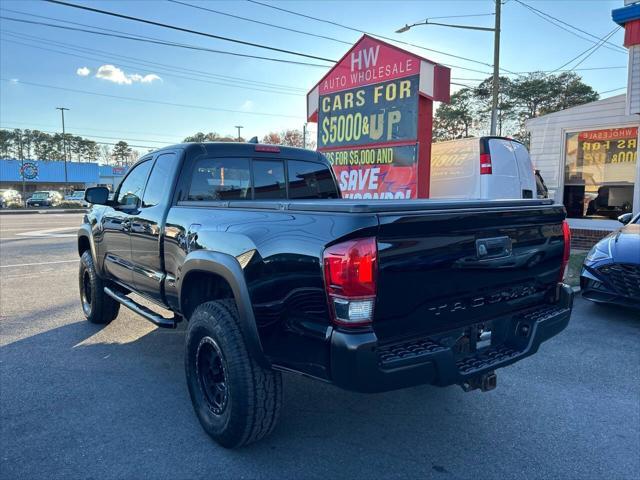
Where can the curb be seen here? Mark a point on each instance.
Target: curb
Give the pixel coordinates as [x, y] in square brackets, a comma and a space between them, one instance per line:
[25, 211]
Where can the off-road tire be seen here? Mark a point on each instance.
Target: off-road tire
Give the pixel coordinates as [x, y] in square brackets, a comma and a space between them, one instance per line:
[97, 306]
[253, 393]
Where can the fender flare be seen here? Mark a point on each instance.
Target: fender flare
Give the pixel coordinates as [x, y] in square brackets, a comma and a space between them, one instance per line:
[227, 267]
[85, 231]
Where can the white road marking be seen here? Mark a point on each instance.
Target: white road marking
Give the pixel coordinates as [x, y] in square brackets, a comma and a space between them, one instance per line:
[49, 232]
[39, 263]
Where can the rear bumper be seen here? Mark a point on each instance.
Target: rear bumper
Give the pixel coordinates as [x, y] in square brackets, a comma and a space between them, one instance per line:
[359, 363]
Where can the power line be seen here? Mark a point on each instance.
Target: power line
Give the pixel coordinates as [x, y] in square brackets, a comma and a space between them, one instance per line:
[101, 143]
[259, 22]
[90, 136]
[353, 29]
[188, 30]
[589, 51]
[162, 42]
[17, 122]
[612, 90]
[550, 18]
[577, 69]
[180, 69]
[158, 102]
[155, 40]
[164, 72]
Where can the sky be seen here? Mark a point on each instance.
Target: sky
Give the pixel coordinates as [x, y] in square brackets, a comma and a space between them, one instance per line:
[179, 91]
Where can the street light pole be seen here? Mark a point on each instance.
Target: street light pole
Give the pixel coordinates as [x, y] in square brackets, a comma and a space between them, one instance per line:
[496, 71]
[496, 56]
[239, 127]
[64, 148]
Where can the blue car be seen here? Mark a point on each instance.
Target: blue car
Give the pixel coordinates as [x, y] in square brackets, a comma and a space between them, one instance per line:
[611, 270]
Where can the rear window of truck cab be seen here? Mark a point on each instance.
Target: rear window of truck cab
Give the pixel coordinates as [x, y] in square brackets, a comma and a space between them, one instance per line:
[240, 178]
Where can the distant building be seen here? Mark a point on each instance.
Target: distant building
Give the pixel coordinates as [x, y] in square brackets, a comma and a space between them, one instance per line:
[50, 175]
[629, 18]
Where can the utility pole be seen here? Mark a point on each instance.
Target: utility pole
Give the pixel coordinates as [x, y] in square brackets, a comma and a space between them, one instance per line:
[304, 135]
[496, 71]
[496, 55]
[239, 127]
[64, 148]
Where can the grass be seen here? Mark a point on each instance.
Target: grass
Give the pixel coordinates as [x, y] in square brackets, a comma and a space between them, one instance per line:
[572, 277]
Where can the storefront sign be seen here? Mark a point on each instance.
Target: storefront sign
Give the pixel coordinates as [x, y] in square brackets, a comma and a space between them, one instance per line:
[29, 171]
[610, 146]
[369, 110]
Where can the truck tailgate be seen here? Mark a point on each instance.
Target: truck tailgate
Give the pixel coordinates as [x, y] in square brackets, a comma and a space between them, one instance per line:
[439, 270]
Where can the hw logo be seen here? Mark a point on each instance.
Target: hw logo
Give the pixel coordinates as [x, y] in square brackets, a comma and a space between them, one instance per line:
[364, 58]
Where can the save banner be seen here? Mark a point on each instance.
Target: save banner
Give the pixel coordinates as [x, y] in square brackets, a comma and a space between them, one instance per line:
[376, 173]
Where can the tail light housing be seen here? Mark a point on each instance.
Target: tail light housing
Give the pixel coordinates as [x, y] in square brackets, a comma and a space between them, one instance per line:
[350, 274]
[485, 164]
[566, 234]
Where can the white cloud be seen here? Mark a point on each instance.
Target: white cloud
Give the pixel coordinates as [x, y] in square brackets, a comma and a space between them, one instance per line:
[83, 71]
[116, 75]
[247, 105]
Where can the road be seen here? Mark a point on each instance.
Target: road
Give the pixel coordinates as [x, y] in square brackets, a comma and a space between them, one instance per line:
[81, 401]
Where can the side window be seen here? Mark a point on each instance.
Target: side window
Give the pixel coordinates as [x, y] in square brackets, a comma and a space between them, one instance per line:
[310, 180]
[159, 182]
[132, 186]
[268, 180]
[220, 179]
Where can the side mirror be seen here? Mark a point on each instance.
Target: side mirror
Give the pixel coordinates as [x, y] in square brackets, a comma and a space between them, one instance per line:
[625, 218]
[97, 195]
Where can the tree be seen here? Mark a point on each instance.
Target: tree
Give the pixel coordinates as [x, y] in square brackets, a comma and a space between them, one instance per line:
[506, 110]
[272, 138]
[455, 119]
[104, 154]
[289, 138]
[6, 142]
[211, 137]
[122, 152]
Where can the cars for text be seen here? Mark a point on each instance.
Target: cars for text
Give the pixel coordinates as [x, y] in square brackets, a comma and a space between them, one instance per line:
[275, 273]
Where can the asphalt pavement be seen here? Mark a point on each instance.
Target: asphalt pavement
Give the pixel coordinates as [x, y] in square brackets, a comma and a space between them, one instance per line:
[83, 401]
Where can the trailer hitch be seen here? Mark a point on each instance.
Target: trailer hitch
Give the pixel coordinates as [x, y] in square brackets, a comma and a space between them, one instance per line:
[485, 382]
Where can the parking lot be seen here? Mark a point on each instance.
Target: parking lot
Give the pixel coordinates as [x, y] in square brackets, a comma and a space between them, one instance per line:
[80, 400]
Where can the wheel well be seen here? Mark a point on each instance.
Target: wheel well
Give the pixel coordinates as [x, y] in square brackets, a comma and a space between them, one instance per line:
[199, 287]
[83, 245]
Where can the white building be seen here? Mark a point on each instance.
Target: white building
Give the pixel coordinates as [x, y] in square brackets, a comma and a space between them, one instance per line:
[587, 156]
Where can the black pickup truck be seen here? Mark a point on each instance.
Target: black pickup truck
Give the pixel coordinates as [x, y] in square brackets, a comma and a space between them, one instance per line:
[274, 272]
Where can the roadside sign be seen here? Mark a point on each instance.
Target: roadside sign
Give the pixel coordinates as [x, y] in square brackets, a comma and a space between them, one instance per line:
[374, 114]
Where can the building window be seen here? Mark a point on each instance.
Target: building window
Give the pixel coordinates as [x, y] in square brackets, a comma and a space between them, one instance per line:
[600, 168]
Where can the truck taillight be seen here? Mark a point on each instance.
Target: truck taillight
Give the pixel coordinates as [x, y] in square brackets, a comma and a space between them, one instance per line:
[485, 164]
[566, 234]
[350, 270]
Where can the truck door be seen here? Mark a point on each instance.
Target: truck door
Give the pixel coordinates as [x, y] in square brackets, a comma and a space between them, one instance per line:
[503, 182]
[525, 171]
[147, 226]
[117, 221]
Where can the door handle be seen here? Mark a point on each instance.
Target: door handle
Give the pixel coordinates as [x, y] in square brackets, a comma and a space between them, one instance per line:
[126, 225]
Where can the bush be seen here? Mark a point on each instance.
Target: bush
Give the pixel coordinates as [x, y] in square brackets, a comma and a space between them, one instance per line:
[69, 204]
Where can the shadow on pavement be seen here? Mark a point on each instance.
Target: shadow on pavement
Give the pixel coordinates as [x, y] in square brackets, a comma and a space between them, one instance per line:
[84, 401]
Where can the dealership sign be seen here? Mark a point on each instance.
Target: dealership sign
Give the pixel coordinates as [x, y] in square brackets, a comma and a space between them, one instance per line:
[374, 114]
[29, 171]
